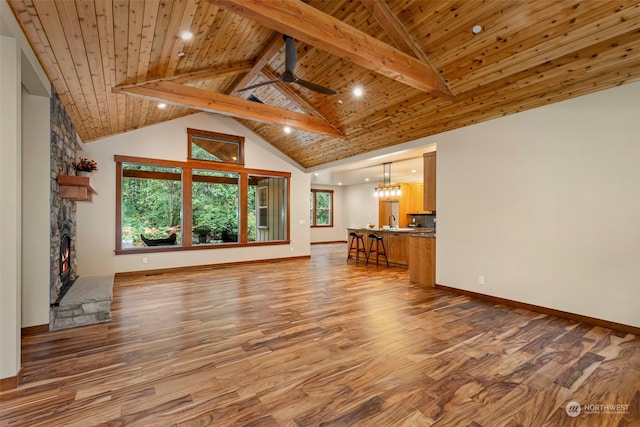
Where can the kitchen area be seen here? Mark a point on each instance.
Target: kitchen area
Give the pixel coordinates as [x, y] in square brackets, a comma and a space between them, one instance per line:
[406, 223]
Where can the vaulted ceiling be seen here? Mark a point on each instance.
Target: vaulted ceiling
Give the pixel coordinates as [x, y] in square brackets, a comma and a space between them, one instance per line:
[422, 68]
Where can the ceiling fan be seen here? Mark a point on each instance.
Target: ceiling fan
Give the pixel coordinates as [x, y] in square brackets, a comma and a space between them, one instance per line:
[288, 76]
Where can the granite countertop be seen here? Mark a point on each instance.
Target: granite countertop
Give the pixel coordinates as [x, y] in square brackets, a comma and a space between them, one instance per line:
[423, 235]
[395, 230]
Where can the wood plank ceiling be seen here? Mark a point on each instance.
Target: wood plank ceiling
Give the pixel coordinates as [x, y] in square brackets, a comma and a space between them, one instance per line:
[422, 68]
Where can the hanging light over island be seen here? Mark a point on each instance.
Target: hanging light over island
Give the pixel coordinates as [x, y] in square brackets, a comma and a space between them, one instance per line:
[386, 189]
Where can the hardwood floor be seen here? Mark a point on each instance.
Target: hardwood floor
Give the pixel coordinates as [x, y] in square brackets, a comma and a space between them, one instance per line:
[320, 342]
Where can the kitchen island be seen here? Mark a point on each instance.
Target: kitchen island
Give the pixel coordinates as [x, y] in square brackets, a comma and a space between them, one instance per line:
[396, 241]
[422, 259]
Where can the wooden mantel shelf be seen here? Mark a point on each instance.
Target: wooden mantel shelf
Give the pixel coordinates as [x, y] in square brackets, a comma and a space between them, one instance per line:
[77, 188]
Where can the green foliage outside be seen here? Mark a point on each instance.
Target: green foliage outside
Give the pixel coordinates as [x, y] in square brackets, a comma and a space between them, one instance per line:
[216, 205]
[322, 217]
[322, 207]
[323, 200]
[153, 207]
[251, 213]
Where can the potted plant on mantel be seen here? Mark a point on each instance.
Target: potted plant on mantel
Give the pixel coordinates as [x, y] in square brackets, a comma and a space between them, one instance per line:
[84, 166]
[202, 231]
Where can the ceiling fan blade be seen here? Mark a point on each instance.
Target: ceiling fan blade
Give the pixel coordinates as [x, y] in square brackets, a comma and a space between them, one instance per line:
[290, 54]
[258, 85]
[315, 87]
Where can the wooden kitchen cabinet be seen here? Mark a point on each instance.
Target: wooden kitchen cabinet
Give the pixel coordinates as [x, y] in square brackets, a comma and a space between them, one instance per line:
[397, 245]
[422, 260]
[430, 181]
[415, 198]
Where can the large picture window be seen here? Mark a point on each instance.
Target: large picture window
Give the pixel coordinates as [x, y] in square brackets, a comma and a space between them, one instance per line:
[167, 205]
[321, 208]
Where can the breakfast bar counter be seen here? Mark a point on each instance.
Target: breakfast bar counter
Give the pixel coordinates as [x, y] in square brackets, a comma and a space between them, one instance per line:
[396, 241]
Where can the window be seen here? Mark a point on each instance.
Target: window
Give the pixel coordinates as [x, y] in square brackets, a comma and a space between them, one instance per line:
[215, 147]
[215, 206]
[166, 205]
[321, 208]
[267, 208]
[262, 212]
[151, 205]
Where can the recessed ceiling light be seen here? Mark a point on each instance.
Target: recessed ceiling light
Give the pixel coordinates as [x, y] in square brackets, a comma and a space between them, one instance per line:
[180, 54]
[366, 180]
[316, 174]
[477, 29]
[286, 129]
[186, 35]
[162, 106]
[413, 171]
[340, 101]
[339, 183]
[358, 91]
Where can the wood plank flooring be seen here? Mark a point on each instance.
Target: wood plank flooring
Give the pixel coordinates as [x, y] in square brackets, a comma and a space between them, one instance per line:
[318, 341]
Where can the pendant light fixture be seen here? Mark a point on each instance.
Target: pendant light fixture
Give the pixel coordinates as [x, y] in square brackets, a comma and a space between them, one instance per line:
[386, 189]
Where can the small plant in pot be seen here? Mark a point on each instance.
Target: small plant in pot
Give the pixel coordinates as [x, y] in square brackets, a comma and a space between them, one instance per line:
[202, 231]
[85, 166]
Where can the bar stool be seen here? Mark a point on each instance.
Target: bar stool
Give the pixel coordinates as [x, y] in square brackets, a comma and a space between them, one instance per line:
[379, 242]
[357, 245]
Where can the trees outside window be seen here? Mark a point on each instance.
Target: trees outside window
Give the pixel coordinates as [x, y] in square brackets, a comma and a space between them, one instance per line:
[215, 206]
[321, 208]
[151, 204]
[204, 205]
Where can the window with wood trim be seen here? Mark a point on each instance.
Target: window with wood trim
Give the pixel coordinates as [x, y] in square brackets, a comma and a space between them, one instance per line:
[167, 205]
[321, 207]
[215, 147]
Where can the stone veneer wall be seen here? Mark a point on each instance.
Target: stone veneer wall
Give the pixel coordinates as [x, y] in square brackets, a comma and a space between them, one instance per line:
[64, 147]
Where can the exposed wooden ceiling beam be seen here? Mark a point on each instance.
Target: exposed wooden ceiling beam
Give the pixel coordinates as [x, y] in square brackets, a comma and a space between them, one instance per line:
[273, 47]
[399, 34]
[226, 105]
[325, 32]
[219, 71]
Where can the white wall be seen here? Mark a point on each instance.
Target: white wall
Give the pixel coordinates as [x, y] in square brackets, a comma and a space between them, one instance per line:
[10, 207]
[96, 220]
[36, 182]
[361, 206]
[18, 66]
[546, 205]
[335, 233]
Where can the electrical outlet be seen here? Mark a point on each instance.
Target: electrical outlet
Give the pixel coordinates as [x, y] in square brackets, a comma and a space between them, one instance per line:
[481, 280]
[291, 248]
[145, 260]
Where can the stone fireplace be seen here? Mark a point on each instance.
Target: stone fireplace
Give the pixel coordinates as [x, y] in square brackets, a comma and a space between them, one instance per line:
[65, 260]
[74, 301]
[64, 149]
